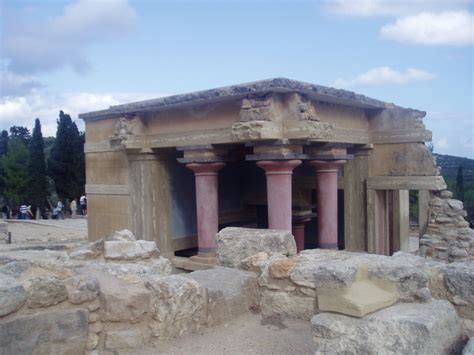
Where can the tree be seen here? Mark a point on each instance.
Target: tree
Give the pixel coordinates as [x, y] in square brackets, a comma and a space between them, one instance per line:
[3, 143]
[21, 133]
[15, 172]
[37, 191]
[459, 192]
[66, 162]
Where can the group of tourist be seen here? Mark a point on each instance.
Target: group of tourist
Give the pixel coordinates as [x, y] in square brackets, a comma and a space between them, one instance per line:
[25, 211]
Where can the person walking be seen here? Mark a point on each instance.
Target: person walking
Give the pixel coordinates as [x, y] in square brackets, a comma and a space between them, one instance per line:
[59, 208]
[73, 207]
[23, 212]
[83, 203]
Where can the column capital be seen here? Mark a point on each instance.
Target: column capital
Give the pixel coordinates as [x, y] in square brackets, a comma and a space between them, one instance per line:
[278, 167]
[326, 166]
[205, 168]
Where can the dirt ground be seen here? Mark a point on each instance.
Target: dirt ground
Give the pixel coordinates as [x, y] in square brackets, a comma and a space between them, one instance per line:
[248, 334]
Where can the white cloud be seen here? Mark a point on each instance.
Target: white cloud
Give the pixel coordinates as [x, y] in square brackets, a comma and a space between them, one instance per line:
[39, 47]
[17, 84]
[383, 76]
[445, 28]
[366, 8]
[21, 111]
[442, 143]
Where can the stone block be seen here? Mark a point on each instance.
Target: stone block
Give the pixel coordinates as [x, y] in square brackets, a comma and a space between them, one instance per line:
[59, 332]
[231, 292]
[469, 347]
[287, 304]
[459, 279]
[179, 306]
[89, 250]
[122, 301]
[12, 295]
[124, 235]
[405, 328]
[45, 291]
[236, 244]
[126, 250]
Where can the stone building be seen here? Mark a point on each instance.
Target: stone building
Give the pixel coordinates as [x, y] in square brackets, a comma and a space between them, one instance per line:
[331, 165]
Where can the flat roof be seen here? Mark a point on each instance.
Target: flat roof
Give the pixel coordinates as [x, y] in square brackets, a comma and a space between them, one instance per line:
[239, 91]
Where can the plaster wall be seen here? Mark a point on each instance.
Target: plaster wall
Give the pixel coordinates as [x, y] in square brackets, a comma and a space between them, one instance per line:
[106, 214]
[107, 168]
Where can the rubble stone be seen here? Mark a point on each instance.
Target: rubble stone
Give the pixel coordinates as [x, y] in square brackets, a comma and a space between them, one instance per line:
[126, 250]
[126, 339]
[124, 235]
[287, 304]
[46, 291]
[52, 332]
[82, 288]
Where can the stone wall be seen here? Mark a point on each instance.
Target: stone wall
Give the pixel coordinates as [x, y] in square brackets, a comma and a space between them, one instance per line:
[448, 237]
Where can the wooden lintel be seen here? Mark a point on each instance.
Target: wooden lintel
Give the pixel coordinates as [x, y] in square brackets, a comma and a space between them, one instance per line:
[435, 183]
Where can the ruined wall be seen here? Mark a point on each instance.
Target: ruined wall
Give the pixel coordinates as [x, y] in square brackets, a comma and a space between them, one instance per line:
[448, 237]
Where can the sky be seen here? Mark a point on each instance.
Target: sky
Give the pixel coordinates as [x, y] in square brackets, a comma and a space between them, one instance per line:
[85, 55]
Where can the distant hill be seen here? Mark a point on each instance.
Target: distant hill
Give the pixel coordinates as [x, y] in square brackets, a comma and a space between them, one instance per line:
[449, 167]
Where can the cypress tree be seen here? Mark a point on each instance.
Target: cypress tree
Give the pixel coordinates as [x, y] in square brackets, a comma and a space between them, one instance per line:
[459, 193]
[4, 143]
[66, 165]
[15, 172]
[37, 168]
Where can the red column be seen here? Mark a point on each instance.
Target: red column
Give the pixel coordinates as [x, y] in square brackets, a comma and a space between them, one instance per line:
[298, 233]
[326, 194]
[206, 205]
[278, 174]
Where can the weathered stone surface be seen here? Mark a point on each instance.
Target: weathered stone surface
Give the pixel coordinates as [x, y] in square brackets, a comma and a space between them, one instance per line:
[45, 291]
[236, 244]
[281, 269]
[427, 328]
[178, 306]
[266, 280]
[82, 288]
[14, 268]
[121, 301]
[12, 295]
[126, 339]
[459, 278]
[58, 332]
[131, 271]
[92, 341]
[255, 262]
[287, 304]
[125, 250]
[90, 250]
[335, 275]
[230, 292]
[124, 235]
[469, 348]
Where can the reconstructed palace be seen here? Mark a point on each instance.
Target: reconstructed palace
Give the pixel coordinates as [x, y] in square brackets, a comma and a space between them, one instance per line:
[333, 166]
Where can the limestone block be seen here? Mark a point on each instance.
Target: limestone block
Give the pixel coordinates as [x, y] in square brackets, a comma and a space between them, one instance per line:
[405, 328]
[12, 295]
[287, 304]
[358, 300]
[82, 288]
[58, 332]
[124, 235]
[282, 284]
[89, 250]
[469, 348]
[92, 341]
[126, 339]
[179, 306]
[122, 301]
[281, 269]
[459, 278]
[231, 292]
[125, 250]
[236, 244]
[456, 205]
[45, 291]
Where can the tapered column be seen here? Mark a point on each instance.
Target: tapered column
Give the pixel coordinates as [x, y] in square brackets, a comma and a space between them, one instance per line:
[279, 174]
[298, 232]
[326, 195]
[206, 205]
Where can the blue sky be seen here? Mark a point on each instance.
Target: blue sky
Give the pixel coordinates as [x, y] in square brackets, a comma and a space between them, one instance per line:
[83, 55]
